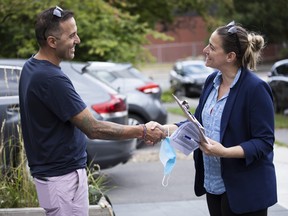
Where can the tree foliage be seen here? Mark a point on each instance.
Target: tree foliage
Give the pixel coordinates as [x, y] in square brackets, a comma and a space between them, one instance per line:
[106, 33]
[162, 11]
[116, 29]
[269, 17]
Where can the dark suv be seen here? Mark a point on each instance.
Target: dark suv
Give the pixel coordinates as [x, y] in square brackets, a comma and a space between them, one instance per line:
[187, 77]
[278, 81]
[104, 102]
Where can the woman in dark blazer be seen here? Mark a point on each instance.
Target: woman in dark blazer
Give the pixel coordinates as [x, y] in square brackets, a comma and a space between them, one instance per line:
[235, 169]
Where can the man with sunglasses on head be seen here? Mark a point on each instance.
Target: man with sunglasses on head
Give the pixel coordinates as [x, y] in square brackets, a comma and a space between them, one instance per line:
[55, 120]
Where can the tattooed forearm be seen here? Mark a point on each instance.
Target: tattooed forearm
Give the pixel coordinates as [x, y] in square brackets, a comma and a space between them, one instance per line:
[102, 129]
[108, 130]
[94, 129]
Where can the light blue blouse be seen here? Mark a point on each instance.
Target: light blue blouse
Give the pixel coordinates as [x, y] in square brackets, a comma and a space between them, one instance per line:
[211, 117]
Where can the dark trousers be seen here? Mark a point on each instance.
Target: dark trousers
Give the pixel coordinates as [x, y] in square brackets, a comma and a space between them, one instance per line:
[218, 206]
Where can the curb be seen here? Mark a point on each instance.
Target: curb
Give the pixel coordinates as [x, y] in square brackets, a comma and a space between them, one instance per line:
[94, 210]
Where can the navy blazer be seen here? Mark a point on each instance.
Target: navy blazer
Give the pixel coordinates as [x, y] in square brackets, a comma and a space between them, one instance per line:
[248, 121]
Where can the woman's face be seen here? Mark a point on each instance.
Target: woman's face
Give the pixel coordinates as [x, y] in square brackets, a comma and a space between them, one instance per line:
[215, 56]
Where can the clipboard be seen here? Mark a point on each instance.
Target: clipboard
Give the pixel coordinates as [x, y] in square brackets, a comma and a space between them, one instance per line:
[185, 108]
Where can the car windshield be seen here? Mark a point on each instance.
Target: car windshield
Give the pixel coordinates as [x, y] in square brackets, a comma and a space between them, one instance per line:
[283, 70]
[196, 69]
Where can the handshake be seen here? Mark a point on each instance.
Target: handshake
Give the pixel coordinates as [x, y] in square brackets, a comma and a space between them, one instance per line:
[153, 132]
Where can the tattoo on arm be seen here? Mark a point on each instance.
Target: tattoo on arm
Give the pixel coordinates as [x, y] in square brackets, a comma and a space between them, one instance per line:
[95, 129]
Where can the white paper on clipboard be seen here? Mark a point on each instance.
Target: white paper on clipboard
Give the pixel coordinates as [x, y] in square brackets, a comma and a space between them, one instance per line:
[188, 136]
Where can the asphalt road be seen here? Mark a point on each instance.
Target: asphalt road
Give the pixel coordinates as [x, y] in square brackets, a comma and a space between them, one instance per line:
[140, 179]
[140, 182]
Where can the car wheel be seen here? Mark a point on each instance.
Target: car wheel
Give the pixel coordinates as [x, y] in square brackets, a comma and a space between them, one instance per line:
[134, 119]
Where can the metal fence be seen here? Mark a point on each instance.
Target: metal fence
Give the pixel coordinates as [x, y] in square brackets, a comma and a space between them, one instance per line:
[170, 52]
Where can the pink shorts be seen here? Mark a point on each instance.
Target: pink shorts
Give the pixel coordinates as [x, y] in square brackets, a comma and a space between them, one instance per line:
[64, 195]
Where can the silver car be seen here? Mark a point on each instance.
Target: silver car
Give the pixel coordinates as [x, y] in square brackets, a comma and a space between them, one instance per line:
[143, 94]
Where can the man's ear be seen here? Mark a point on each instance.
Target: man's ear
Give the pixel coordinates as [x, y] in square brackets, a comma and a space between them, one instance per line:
[52, 41]
[231, 57]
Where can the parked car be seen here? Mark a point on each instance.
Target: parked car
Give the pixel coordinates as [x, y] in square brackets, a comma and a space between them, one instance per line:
[278, 81]
[104, 102]
[143, 95]
[187, 77]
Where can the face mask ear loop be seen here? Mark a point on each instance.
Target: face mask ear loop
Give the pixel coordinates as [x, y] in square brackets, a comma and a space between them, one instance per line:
[166, 177]
[168, 133]
[165, 180]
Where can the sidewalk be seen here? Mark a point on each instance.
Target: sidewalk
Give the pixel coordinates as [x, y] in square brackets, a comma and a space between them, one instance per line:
[179, 208]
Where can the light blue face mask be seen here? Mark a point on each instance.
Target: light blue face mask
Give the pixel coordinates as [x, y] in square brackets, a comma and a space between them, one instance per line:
[167, 157]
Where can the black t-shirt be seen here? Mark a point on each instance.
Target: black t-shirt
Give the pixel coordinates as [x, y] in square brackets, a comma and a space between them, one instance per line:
[54, 146]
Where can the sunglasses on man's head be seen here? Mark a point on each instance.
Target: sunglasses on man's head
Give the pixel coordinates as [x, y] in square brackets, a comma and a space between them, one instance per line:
[57, 12]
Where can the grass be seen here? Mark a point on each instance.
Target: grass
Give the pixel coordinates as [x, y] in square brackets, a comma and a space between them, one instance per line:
[96, 185]
[16, 185]
[166, 97]
[281, 121]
